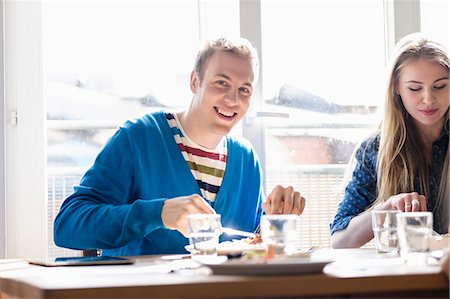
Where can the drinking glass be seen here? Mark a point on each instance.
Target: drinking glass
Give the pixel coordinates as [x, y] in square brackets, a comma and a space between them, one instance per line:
[384, 225]
[414, 231]
[204, 231]
[279, 233]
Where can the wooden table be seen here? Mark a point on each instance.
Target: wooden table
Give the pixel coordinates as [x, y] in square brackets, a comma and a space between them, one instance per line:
[357, 273]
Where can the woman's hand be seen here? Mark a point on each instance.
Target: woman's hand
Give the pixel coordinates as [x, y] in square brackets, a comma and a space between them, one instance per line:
[408, 202]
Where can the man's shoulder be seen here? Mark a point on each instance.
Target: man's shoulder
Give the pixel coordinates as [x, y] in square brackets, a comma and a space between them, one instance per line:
[239, 142]
[146, 121]
[240, 149]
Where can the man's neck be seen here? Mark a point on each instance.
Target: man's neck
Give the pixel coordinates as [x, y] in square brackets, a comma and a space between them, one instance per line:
[193, 127]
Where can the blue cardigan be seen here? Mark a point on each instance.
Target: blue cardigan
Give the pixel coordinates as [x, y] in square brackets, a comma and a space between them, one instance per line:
[117, 206]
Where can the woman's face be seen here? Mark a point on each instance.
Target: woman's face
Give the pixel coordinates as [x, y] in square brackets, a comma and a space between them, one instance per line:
[423, 87]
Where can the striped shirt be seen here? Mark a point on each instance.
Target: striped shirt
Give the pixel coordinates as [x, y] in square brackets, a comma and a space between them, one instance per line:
[206, 165]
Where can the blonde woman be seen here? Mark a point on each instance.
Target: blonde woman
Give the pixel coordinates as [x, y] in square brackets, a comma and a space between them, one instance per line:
[404, 166]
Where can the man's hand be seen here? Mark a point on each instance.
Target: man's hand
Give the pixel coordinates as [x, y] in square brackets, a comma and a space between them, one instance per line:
[284, 201]
[175, 211]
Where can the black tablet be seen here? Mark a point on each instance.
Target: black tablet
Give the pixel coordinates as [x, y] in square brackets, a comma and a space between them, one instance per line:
[81, 261]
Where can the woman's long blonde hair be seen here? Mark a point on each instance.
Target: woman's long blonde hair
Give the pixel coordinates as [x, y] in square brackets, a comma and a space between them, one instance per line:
[400, 155]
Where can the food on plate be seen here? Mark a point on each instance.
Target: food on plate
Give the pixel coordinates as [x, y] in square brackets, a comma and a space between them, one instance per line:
[255, 240]
[239, 246]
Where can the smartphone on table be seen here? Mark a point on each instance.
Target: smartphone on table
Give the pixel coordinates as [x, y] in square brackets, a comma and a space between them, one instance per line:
[81, 261]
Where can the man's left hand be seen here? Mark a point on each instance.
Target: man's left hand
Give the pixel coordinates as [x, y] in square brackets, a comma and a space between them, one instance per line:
[284, 201]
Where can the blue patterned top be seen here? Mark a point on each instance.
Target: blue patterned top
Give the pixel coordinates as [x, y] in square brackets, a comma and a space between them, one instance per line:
[361, 191]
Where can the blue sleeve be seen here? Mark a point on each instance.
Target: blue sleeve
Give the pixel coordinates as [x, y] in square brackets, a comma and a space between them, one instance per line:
[361, 191]
[102, 212]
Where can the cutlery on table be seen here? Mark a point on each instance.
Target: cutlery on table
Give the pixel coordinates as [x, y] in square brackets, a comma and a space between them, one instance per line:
[236, 232]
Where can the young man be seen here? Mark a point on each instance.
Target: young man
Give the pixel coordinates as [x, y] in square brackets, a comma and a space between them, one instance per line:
[158, 169]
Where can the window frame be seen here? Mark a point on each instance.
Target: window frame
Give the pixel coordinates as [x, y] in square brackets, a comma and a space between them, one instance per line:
[25, 212]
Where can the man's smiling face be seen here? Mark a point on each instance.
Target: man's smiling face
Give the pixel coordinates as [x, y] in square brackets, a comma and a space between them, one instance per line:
[222, 97]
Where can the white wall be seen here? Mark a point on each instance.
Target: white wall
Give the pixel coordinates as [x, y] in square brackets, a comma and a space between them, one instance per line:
[25, 184]
[2, 143]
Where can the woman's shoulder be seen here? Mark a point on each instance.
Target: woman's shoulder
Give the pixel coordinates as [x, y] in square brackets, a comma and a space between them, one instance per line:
[369, 146]
[372, 141]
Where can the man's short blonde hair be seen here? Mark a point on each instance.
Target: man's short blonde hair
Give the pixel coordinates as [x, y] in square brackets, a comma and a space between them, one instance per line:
[239, 46]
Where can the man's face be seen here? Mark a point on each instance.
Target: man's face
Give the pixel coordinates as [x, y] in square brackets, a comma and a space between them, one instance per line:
[222, 98]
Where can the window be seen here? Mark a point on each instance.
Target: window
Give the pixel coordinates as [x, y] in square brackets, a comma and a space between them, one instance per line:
[329, 79]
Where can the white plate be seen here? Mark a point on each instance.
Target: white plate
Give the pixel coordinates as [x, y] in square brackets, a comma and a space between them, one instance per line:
[283, 266]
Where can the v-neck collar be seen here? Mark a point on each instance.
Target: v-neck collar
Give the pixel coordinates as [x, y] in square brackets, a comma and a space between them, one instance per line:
[176, 154]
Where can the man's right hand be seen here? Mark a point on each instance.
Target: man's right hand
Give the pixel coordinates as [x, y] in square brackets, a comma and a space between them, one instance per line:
[175, 211]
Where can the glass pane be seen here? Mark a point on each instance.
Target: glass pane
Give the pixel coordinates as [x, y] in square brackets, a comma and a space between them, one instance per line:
[75, 147]
[324, 64]
[115, 59]
[105, 62]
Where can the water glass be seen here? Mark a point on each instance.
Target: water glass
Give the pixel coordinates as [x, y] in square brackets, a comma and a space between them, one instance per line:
[279, 234]
[414, 232]
[204, 231]
[384, 225]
